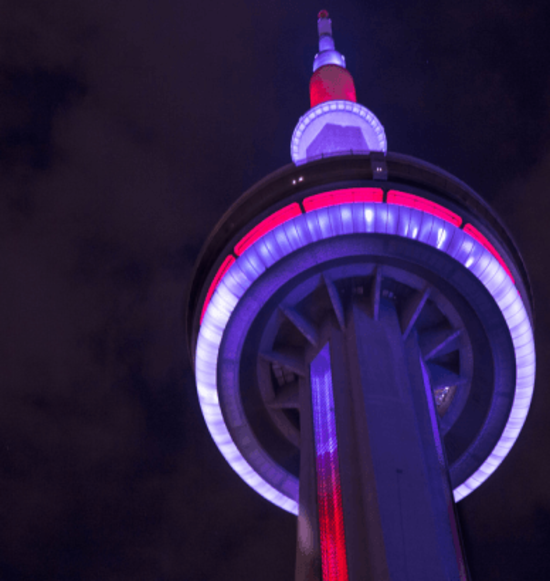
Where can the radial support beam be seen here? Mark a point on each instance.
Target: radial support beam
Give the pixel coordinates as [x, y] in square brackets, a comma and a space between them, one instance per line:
[292, 361]
[335, 301]
[375, 292]
[438, 342]
[442, 377]
[412, 310]
[303, 325]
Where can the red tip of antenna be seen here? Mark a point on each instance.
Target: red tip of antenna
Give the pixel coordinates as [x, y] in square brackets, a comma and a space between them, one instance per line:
[322, 14]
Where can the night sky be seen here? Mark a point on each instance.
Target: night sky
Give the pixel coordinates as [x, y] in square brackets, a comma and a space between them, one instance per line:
[126, 129]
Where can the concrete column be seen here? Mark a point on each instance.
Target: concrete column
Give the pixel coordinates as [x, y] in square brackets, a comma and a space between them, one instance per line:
[398, 508]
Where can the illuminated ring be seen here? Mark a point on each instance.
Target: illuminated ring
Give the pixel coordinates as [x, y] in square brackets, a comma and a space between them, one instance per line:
[358, 218]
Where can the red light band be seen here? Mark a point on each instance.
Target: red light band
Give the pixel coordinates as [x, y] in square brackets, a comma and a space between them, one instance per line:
[226, 265]
[412, 201]
[265, 226]
[477, 235]
[345, 196]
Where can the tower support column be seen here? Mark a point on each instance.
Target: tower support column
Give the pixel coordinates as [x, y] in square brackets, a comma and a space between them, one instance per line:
[397, 503]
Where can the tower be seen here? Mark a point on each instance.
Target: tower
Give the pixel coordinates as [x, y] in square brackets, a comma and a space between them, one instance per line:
[360, 324]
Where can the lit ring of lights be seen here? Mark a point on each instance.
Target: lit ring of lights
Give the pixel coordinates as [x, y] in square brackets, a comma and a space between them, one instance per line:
[329, 107]
[357, 218]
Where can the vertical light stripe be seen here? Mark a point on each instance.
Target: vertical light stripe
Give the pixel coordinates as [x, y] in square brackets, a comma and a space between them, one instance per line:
[329, 490]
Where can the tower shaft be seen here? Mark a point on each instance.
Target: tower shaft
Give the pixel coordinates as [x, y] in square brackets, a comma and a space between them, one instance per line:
[397, 504]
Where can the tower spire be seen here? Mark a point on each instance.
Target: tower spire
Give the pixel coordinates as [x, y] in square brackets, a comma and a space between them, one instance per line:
[327, 54]
[335, 124]
[330, 80]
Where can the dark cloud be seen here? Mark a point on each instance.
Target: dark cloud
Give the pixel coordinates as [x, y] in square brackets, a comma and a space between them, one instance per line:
[469, 76]
[31, 101]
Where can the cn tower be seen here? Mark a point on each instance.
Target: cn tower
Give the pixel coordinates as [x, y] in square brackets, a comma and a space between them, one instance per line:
[361, 328]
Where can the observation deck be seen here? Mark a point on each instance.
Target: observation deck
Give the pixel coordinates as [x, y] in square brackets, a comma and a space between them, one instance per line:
[383, 213]
[361, 328]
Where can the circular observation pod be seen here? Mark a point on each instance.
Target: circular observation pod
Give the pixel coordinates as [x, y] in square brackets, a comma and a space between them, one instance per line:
[308, 244]
[336, 128]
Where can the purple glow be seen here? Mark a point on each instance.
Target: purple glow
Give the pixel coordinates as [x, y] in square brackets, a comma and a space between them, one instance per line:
[359, 217]
[226, 265]
[329, 490]
[338, 113]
